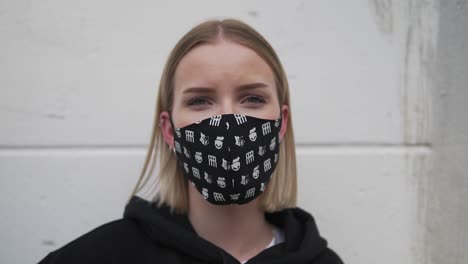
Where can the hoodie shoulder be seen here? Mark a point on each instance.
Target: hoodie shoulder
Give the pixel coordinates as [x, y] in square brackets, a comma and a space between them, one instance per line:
[114, 241]
[303, 243]
[328, 256]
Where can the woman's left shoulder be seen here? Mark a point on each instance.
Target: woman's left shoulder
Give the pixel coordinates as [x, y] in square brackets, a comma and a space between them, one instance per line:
[328, 256]
[301, 226]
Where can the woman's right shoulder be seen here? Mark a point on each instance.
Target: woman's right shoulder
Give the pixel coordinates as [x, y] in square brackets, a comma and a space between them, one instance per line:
[115, 242]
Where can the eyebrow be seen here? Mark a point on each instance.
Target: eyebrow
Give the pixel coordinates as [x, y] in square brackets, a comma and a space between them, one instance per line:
[242, 87]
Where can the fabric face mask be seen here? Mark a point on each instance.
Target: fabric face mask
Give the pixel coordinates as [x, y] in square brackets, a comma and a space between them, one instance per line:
[229, 158]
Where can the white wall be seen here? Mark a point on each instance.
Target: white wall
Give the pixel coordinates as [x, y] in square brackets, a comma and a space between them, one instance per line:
[77, 95]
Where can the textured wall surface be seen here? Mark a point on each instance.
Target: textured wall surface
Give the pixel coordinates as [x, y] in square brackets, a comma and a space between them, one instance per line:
[446, 198]
[77, 95]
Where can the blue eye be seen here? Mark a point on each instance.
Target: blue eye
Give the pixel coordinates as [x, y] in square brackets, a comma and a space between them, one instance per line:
[198, 101]
[255, 99]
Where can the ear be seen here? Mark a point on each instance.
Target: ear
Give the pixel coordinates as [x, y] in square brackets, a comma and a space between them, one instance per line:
[284, 122]
[166, 129]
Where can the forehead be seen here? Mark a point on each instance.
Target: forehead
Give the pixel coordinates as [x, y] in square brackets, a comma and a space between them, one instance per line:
[221, 63]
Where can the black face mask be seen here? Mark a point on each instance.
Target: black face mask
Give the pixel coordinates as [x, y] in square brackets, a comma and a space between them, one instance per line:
[228, 158]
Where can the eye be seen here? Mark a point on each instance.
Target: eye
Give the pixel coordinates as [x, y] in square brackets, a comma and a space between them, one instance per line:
[255, 99]
[198, 101]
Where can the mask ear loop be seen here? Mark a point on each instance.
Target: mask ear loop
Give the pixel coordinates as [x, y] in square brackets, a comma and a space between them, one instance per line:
[280, 119]
[173, 135]
[281, 114]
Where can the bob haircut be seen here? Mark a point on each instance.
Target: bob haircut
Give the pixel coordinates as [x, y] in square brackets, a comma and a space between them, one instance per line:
[170, 186]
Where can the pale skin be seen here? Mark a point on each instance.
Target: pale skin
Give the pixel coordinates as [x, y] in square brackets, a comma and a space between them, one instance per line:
[207, 82]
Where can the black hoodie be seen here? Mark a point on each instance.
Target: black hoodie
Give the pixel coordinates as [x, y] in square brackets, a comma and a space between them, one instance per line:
[150, 234]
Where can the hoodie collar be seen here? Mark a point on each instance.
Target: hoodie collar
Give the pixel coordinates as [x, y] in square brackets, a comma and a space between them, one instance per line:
[174, 230]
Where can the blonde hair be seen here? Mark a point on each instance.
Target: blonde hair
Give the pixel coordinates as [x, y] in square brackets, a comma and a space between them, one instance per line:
[172, 186]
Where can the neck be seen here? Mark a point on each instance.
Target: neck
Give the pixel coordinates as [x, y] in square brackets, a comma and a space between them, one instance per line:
[240, 230]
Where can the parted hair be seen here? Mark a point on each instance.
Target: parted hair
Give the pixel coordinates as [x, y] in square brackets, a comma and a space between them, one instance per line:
[170, 186]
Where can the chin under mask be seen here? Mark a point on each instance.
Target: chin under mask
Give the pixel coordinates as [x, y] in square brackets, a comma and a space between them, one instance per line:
[228, 158]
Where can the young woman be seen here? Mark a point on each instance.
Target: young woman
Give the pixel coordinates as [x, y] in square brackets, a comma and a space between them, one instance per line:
[226, 186]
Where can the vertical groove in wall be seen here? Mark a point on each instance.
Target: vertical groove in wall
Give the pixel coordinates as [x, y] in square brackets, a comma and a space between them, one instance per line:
[420, 32]
[418, 26]
[419, 166]
[415, 35]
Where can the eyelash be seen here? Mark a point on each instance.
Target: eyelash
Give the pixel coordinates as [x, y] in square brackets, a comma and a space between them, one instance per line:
[192, 101]
[258, 99]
